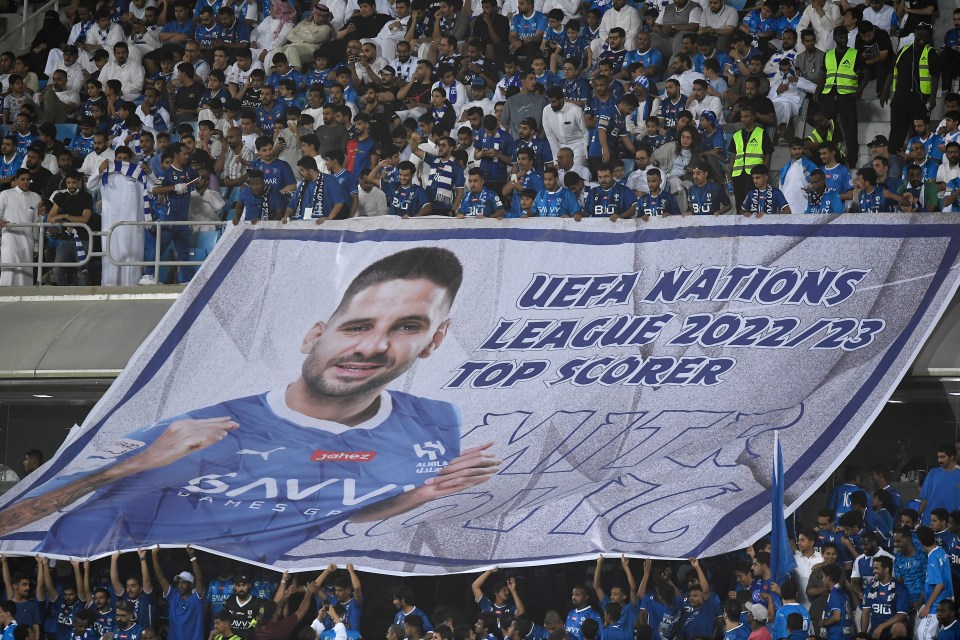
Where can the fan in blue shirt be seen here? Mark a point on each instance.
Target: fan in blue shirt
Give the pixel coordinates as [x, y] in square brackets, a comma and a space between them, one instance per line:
[947, 617]
[186, 597]
[270, 111]
[318, 195]
[138, 590]
[526, 23]
[822, 199]
[580, 613]
[613, 628]
[404, 199]
[479, 202]
[257, 201]
[610, 199]
[789, 592]
[658, 201]
[325, 472]
[622, 595]
[127, 628]
[503, 600]
[63, 606]
[836, 613]
[763, 199]
[347, 593]
[706, 198]
[734, 627]
[525, 178]
[284, 72]
[939, 582]
[701, 612]
[494, 147]
[276, 173]
[662, 604]
[909, 564]
[555, 201]
[885, 601]
[405, 602]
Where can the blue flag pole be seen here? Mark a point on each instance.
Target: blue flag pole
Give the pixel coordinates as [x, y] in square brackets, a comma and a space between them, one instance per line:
[781, 553]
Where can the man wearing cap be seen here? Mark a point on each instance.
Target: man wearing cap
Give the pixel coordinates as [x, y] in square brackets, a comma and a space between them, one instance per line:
[840, 89]
[758, 622]
[241, 607]
[912, 87]
[186, 598]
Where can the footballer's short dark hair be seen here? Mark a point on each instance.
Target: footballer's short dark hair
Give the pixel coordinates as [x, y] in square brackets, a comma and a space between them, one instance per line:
[434, 264]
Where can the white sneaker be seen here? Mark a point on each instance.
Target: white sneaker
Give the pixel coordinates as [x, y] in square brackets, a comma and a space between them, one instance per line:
[148, 280]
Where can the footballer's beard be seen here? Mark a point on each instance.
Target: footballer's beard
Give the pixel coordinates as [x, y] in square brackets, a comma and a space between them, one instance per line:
[321, 387]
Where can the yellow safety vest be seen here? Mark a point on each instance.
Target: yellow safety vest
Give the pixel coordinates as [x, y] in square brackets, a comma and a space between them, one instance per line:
[749, 157]
[816, 138]
[844, 75]
[926, 81]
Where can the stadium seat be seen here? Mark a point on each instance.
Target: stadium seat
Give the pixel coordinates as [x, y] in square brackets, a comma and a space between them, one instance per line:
[205, 240]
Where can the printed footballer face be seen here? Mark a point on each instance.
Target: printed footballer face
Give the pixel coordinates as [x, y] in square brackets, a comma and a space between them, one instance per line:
[375, 338]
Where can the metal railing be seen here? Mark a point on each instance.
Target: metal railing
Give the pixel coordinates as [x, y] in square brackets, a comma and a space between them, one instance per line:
[28, 17]
[105, 243]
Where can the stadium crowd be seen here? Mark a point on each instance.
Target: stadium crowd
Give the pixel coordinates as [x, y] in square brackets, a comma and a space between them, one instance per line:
[874, 566]
[268, 110]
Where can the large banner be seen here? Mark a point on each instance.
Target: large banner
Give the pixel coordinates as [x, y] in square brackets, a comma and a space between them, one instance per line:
[435, 396]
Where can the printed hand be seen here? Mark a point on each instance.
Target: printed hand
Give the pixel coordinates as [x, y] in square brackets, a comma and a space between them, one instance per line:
[471, 468]
[182, 438]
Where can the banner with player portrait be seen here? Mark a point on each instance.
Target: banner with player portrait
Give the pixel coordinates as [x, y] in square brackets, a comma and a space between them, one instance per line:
[435, 396]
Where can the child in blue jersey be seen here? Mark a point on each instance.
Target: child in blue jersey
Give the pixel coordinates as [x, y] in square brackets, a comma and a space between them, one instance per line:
[575, 47]
[555, 201]
[298, 435]
[706, 198]
[405, 198]
[662, 604]
[657, 202]
[836, 619]
[938, 585]
[611, 199]
[347, 594]
[405, 602]
[763, 199]
[478, 201]
[822, 199]
[580, 615]
[734, 627]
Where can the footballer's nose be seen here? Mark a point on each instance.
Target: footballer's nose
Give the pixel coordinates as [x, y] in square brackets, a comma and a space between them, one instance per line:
[373, 343]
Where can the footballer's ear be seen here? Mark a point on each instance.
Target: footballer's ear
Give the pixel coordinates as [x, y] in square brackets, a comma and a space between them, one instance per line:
[438, 337]
[315, 332]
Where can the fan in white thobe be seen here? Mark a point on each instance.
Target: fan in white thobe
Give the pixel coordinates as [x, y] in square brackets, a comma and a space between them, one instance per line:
[122, 186]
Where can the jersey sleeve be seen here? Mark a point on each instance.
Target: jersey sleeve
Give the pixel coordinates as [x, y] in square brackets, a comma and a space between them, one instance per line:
[903, 603]
[484, 604]
[570, 204]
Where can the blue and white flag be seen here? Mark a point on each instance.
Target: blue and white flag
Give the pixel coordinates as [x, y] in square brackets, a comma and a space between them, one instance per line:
[782, 561]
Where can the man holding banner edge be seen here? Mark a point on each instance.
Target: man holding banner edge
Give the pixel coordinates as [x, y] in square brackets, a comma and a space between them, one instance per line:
[378, 453]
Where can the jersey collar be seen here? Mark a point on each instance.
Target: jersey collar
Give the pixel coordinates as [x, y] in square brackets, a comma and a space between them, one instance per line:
[277, 404]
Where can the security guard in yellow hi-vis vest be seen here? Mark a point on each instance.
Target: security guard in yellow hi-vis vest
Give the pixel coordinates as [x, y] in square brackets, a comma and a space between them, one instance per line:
[912, 87]
[839, 89]
[749, 147]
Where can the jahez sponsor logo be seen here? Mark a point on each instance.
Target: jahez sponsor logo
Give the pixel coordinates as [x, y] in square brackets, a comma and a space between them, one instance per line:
[342, 456]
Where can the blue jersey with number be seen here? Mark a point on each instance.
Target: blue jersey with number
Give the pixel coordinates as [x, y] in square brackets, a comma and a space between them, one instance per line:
[557, 204]
[485, 203]
[708, 199]
[405, 201]
[618, 199]
[613, 122]
[885, 601]
[576, 618]
[308, 475]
